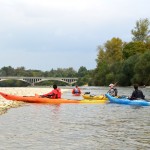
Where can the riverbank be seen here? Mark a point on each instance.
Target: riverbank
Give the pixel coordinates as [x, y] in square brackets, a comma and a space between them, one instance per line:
[5, 105]
[21, 91]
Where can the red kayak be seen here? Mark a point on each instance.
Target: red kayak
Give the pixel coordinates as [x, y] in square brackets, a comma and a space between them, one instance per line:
[36, 99]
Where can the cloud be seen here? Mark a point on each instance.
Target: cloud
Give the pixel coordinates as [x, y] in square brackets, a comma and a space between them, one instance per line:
[65, 27]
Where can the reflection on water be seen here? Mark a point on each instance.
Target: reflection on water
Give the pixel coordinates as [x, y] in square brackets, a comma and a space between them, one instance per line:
[76, 126]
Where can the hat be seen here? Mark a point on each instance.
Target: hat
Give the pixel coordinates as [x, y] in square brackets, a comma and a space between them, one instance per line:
[111, 85]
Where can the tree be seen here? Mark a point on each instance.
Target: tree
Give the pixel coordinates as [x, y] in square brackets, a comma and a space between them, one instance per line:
[133, 48]
[101, 55]
[99, 75]
[142, 69]
[7, 71]
[141, 31]
[83, 76]
[128, 68]
[108, 58]
[114, 50]
[20, 71]
[82, 71]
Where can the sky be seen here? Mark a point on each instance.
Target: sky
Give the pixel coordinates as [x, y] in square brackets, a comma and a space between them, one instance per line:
[46, 34]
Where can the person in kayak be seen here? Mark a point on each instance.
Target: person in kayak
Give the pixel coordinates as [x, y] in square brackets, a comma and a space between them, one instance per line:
[137, 94]
[112, 91]
[76, 90]
[54, 94]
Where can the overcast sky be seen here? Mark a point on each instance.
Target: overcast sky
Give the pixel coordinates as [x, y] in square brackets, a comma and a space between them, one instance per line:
[46, 34]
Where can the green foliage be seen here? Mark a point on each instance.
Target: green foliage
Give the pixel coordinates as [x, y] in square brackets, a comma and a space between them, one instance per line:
[133, 48]
[125, 63]
[141, 31]
[109, 78]
[128, 68]
[7, 71]
[100, 73]
[101, 55]
[108, 59]
[123, 79]
[113, 50]
[142, 70]
[13, 83]
[82, 71]
[83, 74]
[62, 72]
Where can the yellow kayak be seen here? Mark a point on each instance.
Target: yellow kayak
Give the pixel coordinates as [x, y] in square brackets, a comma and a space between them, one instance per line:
[92, 101]
[94, 97]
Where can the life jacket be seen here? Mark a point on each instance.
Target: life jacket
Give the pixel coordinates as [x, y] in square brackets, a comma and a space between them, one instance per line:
[54, 94]
[113, 91]
[58, 93]
[116, 91]
[76, 90]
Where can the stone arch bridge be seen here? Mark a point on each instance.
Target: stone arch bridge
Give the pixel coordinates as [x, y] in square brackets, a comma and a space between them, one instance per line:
[33, 80]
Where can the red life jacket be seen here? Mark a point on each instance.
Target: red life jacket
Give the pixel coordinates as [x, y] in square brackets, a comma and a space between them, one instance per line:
[56, 93]
[76, 90]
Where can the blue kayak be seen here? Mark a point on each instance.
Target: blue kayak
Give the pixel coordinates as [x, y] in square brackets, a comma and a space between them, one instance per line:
[127, 101]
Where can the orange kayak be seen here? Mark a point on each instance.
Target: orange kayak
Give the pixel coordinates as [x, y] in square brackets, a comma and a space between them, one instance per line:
[36, 99]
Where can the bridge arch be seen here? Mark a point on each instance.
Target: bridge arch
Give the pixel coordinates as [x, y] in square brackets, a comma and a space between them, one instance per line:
[33, 80]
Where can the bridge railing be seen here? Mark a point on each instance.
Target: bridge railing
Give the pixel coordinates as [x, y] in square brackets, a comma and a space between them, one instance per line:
[33, 80]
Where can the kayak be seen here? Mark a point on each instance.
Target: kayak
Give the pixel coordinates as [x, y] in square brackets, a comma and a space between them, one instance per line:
[94, 97]
[36, 99]
[92, 101]
[127, 101]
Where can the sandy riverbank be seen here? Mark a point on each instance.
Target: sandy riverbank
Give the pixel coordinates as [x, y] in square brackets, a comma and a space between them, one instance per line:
[22, 91]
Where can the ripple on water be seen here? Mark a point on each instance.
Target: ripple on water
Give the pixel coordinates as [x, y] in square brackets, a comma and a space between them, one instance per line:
[74, 126]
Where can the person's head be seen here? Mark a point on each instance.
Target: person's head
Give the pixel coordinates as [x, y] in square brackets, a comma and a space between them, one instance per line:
[76, 86]
[111, 85]
[135, 86]
[55, 86]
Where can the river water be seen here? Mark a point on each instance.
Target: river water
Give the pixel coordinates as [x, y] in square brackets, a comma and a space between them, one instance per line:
[76, 126]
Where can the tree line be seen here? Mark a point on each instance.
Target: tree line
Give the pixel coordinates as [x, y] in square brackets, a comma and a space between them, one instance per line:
[124, 63]
[82, 74]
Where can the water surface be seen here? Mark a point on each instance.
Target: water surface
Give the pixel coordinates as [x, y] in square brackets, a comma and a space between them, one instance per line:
[77, 126]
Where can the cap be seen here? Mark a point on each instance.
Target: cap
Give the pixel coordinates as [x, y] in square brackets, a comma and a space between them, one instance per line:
[111, 85]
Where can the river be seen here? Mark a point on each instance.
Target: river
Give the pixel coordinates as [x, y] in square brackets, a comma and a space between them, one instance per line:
[76, 126]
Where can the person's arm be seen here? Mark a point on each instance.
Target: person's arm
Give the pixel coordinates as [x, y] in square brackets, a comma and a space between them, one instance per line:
[48, 94]
[79, 90]
[109, 91]
[143, 96]
[133, 96]
[73, 91]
